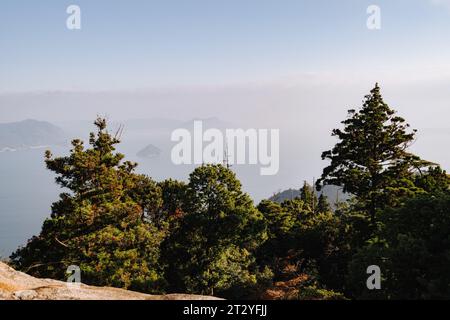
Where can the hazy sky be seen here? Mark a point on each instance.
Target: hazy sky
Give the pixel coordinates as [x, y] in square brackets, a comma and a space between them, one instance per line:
[273, 63]
[142, 44]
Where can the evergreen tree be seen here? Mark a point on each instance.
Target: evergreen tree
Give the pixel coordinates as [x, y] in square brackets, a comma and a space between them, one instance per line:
[323, 204]
[211, 252]
[434, 181]
[105, 224]
[173, 202]
[280, 222]
[371, 160]
[412, 249]
[308, 196]
[306, 245]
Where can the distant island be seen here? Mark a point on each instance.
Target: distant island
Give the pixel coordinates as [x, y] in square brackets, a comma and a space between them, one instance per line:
[29, 134]
[149, 152]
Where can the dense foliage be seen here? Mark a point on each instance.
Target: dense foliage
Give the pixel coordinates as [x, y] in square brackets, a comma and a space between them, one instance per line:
[105, 224]
[211, 249]
[371, 160]
[207, 236]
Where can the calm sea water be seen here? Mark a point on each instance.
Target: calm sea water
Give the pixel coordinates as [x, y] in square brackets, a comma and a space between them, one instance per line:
[26, 193]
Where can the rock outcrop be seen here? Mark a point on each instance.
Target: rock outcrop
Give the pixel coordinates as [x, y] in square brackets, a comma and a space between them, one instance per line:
[16, 285]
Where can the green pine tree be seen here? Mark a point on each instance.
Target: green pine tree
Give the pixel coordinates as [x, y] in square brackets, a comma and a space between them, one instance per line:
[371, 160]
[211, 252]
[308, 196]
[323, 204]
[106, 223]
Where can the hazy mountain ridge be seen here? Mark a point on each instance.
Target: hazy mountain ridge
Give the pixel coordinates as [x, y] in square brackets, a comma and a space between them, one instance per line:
[333, 193]
[208, 123]
[29, 134]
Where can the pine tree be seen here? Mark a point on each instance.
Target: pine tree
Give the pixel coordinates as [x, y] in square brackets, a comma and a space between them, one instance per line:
[323, 205]
[371, 160]
[412, 249]
[211, 252]
[308, 196]
[105, 223]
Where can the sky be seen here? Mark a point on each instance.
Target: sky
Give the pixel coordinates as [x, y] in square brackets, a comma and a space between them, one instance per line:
[145, 44]
[258, 63]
